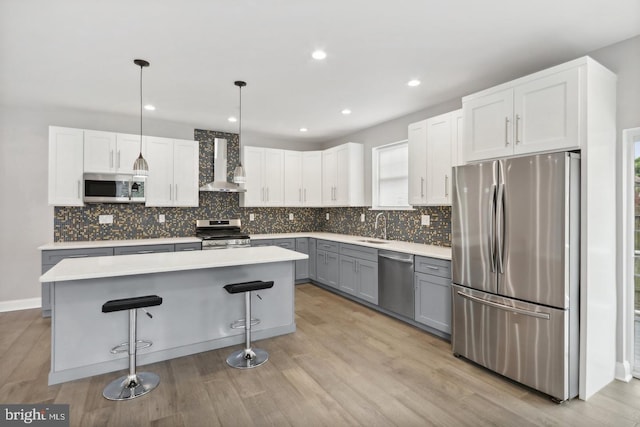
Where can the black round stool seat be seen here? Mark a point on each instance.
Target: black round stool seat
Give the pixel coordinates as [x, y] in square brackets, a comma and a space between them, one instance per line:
[256, 285]
[131, 303]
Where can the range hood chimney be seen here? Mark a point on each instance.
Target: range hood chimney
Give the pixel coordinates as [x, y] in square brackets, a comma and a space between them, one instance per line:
[220, 183]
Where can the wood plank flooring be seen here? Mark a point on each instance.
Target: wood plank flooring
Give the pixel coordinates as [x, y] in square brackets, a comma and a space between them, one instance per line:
[345, 365]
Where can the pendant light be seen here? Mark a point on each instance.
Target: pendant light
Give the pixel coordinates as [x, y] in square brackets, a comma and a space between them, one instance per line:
[140, 166]
[239, 175]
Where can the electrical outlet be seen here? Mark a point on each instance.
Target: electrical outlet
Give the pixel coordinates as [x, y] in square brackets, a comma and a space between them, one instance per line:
[252, 217]
[327, 217]
[161, 218]
[105, 219]
[425, 220]
[290, 217]
[361, 217]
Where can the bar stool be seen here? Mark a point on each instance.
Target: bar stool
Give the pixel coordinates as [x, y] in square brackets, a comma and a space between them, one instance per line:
[248, 357]
[134, 384]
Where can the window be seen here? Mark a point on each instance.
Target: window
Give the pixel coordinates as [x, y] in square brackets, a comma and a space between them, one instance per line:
[390, 173]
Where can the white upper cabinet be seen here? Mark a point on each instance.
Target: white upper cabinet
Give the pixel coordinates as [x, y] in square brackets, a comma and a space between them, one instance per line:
[312, 178]
[108, 152]
[439, 143]
[343, 175]
[292, 178]
[457, 138]
[536, 113]
[417, 137]
[65, 166]
[265, 177]
[173, 172]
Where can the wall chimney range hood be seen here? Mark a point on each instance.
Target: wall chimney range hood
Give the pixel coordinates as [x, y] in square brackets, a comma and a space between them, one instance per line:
[220, 183]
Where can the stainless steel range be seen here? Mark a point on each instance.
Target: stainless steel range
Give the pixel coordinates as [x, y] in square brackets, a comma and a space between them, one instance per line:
[221, 234]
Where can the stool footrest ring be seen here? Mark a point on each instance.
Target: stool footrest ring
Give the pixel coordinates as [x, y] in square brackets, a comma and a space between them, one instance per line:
[124, 347]
[240, 324]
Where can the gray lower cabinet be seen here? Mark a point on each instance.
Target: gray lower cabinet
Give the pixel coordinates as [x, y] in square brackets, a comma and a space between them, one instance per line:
[51, 258]
[327, 268]
[183, 247]
[312, 259]
[285, 243]
[359, 276]
[302, 266]
[261, 242]
[433, 293]
[143, 249]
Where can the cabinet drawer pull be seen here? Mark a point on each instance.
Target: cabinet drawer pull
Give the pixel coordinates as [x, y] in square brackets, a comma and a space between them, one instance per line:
[431, 267]
[144, 252]
[78, 256]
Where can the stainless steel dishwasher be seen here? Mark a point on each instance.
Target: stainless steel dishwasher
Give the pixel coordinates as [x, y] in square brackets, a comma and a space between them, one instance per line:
[396, 292]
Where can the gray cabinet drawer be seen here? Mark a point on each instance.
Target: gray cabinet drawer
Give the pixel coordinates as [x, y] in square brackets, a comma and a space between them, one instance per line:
[434, 266]
[362, 252]
[327, 245]
[302, 245]
[143, 249]
[262, 242]
[55, 256]
[285, 243]
[181, 247]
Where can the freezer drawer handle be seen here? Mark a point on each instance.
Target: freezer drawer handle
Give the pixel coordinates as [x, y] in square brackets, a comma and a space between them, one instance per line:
[406, 261]
[506, 307]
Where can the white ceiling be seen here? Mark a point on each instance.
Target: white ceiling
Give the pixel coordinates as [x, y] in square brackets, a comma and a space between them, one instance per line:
[78, 54]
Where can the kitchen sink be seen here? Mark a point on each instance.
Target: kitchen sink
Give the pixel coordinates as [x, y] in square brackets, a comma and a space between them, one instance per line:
[379, 242]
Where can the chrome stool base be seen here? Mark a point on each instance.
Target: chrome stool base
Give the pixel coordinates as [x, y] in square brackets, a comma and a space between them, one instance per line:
[247, 358]
[126, 387]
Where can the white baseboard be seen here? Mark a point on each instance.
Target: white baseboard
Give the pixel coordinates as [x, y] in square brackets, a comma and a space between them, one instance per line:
[20, 304]
[623, 371]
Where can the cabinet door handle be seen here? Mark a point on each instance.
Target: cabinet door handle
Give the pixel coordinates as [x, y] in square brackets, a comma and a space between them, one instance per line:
[267, 194]
[356, 265]
[446, 186]
[79, 189]
[506, 131]
[170, 192]
[111, 159]
[262, 196]
[176, 192]
[421, 186]
[304, 199]
[118, 162]
[517, 129]
[299, 194]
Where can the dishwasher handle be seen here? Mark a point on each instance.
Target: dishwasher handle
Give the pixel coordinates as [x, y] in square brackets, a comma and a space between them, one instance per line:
[404, 260]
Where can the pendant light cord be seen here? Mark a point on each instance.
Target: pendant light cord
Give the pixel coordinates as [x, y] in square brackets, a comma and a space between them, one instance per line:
[141, 109]
[240, 130]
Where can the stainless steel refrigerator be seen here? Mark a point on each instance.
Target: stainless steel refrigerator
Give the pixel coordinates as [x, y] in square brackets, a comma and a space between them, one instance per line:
[515, 268]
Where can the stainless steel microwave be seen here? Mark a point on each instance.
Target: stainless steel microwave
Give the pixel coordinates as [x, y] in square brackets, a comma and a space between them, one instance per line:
[113, 188]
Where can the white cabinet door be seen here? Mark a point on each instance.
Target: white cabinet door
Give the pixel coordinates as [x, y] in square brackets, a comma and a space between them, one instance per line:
[66, 147]
[439, 160]
[274, 176]
[127, 151]
[312, 178]
[417, 137]
[341, 192]
[293, 178]
[457, 157]
[329, 175]
[99, 151]
[186, 172]
[547, 113]
[159, 186]
[488, 126]
[254, 165]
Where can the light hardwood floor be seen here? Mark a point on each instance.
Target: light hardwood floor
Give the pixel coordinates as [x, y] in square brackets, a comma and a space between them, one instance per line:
[345, 365]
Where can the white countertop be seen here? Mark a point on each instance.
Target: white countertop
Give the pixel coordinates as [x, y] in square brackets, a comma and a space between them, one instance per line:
[127, 265]
[114, 243]
[391, 245]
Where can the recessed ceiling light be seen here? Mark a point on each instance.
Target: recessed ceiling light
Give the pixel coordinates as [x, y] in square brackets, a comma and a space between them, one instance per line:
[149, 107]
[303, 129]
[232, 119]
[319, 54]
[346, 111]
[413, 83]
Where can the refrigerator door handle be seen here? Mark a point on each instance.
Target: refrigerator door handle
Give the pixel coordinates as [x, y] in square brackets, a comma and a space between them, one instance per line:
[515, 310]
[492, 229]
[500, 229]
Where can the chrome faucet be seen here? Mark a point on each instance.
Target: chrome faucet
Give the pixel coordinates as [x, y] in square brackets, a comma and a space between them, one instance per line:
[384, 230]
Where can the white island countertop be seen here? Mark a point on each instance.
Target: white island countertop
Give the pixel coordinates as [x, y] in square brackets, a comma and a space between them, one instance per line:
[432, 251]
[127, 265]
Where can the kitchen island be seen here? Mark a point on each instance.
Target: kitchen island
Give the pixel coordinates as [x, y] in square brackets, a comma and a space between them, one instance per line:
[195, 315]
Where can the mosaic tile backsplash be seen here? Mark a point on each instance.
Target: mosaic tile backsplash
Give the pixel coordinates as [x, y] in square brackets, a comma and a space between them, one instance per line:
[134, 221]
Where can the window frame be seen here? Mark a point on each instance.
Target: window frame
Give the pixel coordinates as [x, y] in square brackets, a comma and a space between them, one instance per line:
[375, 179]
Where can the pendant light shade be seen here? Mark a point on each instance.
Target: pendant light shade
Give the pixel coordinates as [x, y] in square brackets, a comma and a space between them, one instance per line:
[239, 174]
[140, 166]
